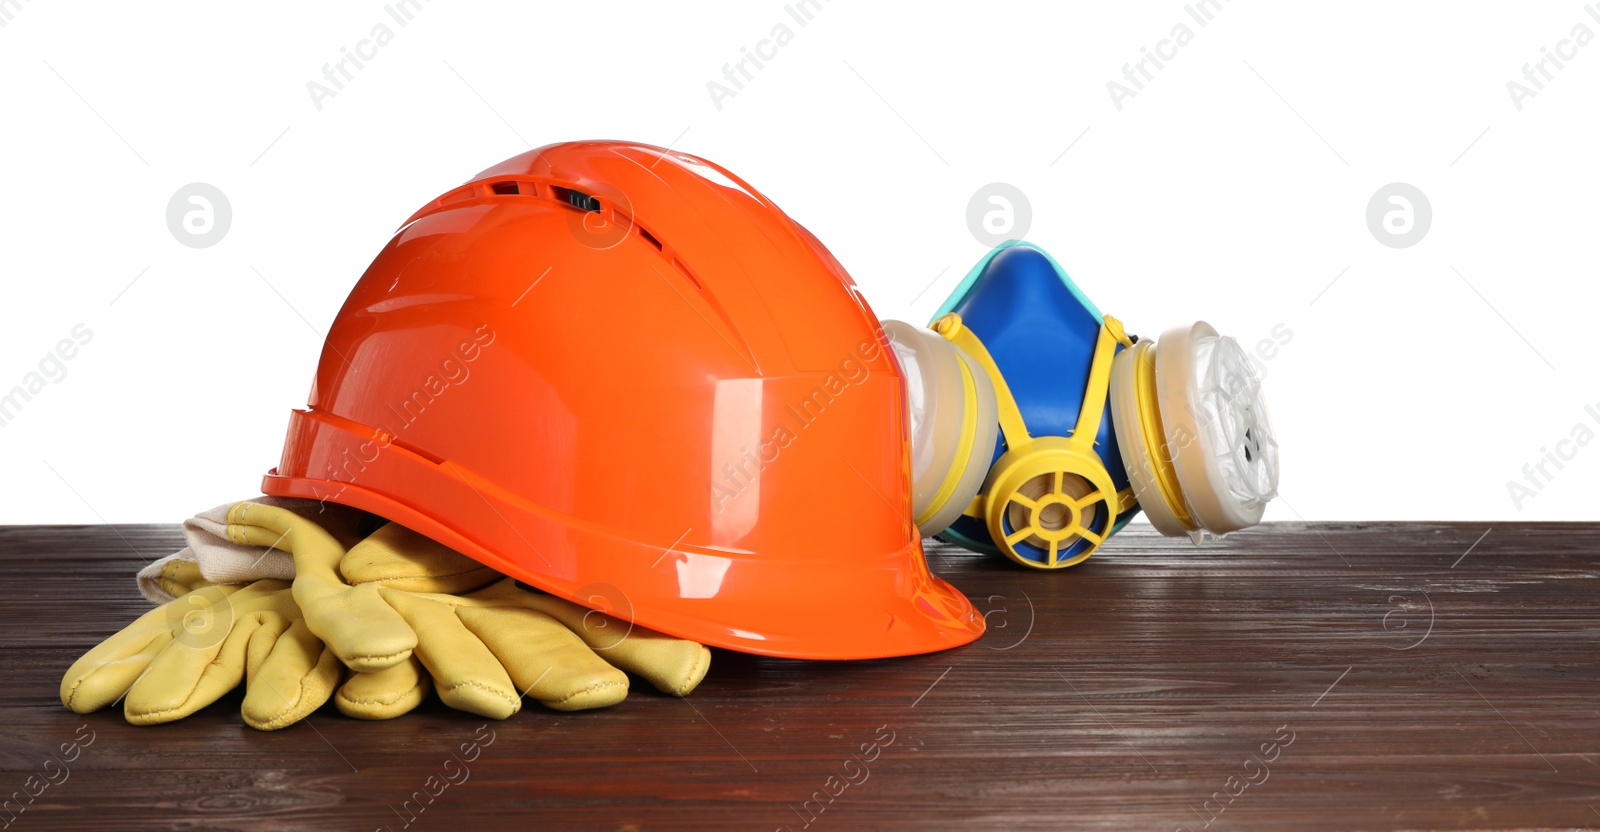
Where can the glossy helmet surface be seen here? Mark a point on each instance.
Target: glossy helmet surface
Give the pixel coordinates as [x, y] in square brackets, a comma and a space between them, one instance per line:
[621, 375]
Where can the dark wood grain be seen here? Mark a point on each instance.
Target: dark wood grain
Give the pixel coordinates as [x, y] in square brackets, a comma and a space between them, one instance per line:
[1422, 690]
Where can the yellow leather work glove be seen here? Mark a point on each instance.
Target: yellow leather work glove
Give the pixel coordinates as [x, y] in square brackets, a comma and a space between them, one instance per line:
[487, 649]
[185, 654]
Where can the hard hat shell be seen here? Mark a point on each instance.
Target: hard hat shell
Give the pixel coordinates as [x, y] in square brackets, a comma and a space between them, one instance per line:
[621, 375]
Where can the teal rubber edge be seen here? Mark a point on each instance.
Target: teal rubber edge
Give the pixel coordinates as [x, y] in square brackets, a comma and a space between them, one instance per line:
[968, 543]
[1126, 518]
[965, 286]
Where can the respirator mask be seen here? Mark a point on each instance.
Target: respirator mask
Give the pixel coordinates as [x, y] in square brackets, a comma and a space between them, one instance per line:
[1040, 427]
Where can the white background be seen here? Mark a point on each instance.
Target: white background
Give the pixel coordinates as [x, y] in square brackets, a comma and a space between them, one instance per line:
[1232, 188]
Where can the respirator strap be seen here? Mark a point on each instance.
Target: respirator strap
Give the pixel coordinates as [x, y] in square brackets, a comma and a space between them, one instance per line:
[1094, 395]
[1012, 427]
[1015, 431]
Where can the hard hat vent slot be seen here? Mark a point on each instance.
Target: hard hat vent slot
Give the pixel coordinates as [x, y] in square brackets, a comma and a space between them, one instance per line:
[649, 238]
[577, 199]
[506, 188]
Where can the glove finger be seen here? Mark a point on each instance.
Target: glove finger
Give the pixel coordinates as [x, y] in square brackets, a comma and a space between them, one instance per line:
[544, 658]
[361, 628]
[465, 672]
[180, 577]
[291, 674]
[399, 558]
[109, 669]
[192, 672]
[102, 676]
[385, 694]
[365, 633]
[673, 665]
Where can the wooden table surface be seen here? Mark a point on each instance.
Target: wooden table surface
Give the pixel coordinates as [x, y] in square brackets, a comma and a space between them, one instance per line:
[1331, 676]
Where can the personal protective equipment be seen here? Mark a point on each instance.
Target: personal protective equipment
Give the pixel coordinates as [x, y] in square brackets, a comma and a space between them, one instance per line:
[183, 655]
[954, 419]
[209, 556]
[488, 649]
[1092, 424]
[621, 375]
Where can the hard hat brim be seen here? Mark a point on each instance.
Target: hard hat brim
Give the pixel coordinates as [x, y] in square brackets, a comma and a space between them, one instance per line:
[888, 606]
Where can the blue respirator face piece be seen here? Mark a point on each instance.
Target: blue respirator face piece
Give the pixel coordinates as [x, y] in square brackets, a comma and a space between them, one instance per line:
[1041, 331]
[1040, 427]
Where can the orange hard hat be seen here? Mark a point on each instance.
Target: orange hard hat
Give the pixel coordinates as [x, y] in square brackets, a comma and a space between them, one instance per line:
[620, 374]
